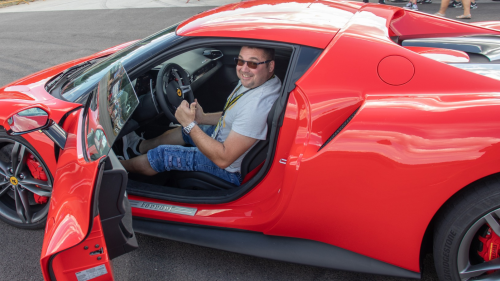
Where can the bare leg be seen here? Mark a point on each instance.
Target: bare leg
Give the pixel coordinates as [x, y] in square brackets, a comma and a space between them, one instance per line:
[444, 6]
[139, 165]
[173, 137]
[466, 5]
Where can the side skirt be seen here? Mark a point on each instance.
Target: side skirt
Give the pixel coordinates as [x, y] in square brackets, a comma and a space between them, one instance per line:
[272, 247]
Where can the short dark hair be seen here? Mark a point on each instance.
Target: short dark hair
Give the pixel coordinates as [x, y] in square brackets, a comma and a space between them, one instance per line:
[268, 52]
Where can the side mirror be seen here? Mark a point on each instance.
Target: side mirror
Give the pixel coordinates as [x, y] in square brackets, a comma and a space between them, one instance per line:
[36, 119]
[28, 120]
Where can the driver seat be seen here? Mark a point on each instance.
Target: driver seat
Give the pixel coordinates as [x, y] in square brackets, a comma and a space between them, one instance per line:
[251, 164]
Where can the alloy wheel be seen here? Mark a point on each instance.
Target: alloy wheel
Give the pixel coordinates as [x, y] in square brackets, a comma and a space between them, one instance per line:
[20, 190]
[467, 261]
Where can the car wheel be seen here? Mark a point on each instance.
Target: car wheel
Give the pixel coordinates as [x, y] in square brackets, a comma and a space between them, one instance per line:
[467, 237]
[25, 184]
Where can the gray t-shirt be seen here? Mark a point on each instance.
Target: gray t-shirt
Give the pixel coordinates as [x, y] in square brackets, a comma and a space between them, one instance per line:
[248, 115]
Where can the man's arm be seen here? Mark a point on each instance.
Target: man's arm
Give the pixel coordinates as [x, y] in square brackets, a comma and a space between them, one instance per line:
[222, 154]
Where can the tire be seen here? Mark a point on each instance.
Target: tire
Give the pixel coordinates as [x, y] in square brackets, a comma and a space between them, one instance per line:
[461, 228]
[19, 206]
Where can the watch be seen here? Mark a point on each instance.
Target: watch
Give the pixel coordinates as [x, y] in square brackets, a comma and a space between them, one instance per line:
[189, 127]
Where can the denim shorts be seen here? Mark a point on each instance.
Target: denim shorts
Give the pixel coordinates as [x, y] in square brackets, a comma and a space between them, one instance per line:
[180, 158]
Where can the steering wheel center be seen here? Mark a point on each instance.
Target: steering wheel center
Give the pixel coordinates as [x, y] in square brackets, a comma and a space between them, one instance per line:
[172, 87]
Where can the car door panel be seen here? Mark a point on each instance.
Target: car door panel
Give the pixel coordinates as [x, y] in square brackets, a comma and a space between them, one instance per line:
[75, 239]
[71, 212]
[85, 261]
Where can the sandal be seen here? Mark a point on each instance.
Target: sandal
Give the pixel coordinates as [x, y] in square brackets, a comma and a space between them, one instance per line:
[439, 14]
[464, 17]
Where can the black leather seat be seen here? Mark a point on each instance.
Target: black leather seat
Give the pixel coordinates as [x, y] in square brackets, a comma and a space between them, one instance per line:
[205, 181]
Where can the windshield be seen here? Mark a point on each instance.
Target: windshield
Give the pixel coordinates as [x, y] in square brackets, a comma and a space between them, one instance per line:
[87, 80]
[112, 104]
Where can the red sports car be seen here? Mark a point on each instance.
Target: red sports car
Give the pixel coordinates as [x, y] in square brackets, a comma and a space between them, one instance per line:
[383, 145]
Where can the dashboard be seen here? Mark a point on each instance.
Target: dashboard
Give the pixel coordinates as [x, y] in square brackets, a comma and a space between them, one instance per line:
[200, 64]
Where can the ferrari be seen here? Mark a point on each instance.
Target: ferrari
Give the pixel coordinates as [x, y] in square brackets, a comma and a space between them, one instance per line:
[383, 145]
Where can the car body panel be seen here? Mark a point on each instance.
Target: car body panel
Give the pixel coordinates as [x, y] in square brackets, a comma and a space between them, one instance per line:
[70, 219]
[315, 23]
[488, 24]
[411, 24]
[85, 260]
[43, 145]
[305, 22]
[325, 97]
[428, 97]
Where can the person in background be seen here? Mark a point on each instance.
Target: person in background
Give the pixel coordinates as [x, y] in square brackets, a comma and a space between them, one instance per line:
[458, 4]
[465, 3]
[412, 5]
[379, 1]
[425, 1]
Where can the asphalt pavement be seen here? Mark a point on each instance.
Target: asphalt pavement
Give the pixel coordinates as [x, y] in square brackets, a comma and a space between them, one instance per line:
[35, 40]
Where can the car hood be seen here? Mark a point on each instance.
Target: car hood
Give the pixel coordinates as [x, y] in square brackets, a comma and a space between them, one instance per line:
[32, 87]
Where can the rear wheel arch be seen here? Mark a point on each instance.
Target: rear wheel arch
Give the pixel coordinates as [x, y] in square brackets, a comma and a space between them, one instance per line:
[461, 195]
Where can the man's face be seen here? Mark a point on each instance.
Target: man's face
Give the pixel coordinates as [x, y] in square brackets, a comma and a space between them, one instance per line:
[251, 78]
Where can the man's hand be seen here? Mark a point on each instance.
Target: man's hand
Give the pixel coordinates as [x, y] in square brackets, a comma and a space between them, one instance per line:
[200, 114]
[185, 113]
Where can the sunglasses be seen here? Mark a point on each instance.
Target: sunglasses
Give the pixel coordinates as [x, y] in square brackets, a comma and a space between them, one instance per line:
[251, 64]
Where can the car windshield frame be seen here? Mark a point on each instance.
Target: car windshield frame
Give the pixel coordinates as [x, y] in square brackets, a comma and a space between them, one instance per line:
[129, 57]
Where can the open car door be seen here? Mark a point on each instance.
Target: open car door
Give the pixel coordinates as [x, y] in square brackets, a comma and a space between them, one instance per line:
[90, 220]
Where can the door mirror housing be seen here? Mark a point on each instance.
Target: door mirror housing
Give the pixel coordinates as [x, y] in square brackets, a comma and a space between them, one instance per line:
[35, 119]
[28, 120]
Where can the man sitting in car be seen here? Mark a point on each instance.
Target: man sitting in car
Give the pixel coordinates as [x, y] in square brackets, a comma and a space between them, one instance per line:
[220, 140]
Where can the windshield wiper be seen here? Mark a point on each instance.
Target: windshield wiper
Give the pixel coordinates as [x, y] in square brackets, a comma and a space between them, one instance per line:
[67, 74]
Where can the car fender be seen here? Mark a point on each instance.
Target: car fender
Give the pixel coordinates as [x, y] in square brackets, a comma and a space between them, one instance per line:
[364, 188]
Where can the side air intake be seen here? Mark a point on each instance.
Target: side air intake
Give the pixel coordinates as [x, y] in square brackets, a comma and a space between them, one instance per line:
[339, 129]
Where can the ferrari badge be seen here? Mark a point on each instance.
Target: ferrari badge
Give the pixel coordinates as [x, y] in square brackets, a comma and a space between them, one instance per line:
[13, 181]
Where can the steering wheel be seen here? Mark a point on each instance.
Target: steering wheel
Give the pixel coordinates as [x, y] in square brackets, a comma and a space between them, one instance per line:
[172, 87]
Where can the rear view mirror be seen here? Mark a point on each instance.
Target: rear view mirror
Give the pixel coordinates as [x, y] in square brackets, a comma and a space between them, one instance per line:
[36, 119]
[28, 120]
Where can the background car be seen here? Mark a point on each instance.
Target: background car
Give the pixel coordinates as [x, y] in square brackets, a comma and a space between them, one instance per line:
[368, 139]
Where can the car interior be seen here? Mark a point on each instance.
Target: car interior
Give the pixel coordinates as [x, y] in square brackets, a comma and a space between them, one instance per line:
[211, 72]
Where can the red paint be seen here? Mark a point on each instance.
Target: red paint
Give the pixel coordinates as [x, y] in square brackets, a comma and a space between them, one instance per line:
[395, 70]
[70, 207]
[68, 263]
[406, 151]
[302, 22]
[411, 24]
